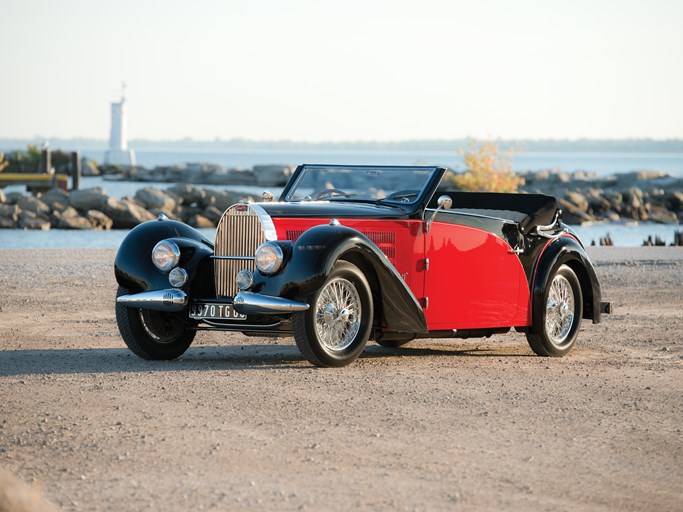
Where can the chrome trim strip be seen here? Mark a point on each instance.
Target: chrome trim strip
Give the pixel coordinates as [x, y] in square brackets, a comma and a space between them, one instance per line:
[452, 212]
[171, 299]
[266, 222]
[242, 327]
[249, 303]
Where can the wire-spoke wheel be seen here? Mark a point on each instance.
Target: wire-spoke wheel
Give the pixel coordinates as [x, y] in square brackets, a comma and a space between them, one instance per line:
[153, 334]
[561, 315]
[336, 327]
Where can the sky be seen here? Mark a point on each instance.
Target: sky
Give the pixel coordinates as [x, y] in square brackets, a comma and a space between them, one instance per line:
[343, 70]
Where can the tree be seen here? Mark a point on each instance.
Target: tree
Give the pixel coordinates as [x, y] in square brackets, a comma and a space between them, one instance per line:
[489, 169]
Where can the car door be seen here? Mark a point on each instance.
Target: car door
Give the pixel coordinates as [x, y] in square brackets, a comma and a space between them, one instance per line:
[472, 279]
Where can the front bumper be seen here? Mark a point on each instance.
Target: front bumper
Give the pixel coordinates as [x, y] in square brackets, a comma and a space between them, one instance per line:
[249, 303]
[170, 300]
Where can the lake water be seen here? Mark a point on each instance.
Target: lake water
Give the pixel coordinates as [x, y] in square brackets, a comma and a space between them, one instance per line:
[601, 163]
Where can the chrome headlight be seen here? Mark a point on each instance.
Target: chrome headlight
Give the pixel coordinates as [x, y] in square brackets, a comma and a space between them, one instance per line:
[165, 255]
[178, 277]
[269, 258]
[244, 279]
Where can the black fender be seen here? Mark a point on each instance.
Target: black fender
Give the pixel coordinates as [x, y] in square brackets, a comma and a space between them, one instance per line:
[565, 250]
[310, 259]
[133, 266]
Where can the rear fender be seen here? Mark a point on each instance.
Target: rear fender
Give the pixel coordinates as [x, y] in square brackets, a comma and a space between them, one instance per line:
[310, 262]
[568, 251]
[133, 266]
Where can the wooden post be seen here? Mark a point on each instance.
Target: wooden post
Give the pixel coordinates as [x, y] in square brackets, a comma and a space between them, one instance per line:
[75, 170]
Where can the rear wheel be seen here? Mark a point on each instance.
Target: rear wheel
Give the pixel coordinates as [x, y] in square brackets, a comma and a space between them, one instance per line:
[561, 317]
[152, 334]
[336, 327]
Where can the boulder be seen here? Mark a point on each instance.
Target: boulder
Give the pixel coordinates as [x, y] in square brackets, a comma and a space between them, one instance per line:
[2, 196]
[577, 200]
[29, 220]
[93, 198]
[99, 220]
[74, 222]
[199, 221]
[33, 204]
[662, 215]
[213, 214]
[271, 175]
[55, 196]
[674, 201]
[571, 214]
[189, 194]
[13, 197]
[125, 214]
[154, 198]
[223, 199]
[7, 223]
[10, 212]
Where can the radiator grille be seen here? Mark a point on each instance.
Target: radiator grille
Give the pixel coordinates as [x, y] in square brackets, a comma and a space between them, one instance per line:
[239, 233]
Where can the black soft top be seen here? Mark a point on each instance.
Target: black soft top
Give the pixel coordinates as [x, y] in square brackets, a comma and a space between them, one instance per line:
[527, 210]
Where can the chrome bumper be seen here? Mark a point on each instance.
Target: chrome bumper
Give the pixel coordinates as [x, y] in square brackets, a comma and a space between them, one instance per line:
[158, 300]
[249, 303]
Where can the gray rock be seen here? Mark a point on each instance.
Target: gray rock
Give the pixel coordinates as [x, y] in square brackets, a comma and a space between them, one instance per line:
[10, 212]
[578, 200]
[571, 214]
[74, 222]
[213, 214]
[2, 196]
[93, 198]
[223, 199]
[662, 215]
[271, 175]
[33, 204]
[199, 221]
[674, 201]
[55, 196]
[29, 220]
[99, 220]
[189, 194]
[125, 214]
[155, 198]
[7, 223]
[13, 197]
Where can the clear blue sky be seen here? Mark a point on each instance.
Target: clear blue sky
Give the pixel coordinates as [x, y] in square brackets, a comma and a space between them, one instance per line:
[343, 70]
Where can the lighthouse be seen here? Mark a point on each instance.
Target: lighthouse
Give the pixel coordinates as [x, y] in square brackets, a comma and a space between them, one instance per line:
[118, 153]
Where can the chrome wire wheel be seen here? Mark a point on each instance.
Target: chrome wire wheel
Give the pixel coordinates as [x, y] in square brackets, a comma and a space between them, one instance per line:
[559, 311]
[337, 314]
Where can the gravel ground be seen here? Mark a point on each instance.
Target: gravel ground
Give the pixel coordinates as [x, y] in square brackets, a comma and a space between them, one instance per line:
[245, 423]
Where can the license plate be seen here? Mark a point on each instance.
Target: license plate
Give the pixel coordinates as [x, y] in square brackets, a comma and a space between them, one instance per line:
[215, 312]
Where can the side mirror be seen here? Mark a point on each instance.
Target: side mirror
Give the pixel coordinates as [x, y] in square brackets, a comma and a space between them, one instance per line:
[444, 203]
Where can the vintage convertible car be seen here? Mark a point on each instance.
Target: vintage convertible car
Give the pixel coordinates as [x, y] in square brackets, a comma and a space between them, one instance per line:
[352, 253]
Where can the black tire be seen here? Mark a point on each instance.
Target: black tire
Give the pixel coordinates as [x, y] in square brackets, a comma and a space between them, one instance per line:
[153, 334]
[334, 335]
[561, 315]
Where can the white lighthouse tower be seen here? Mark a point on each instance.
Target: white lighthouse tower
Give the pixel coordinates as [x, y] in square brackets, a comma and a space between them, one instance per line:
[118, 153]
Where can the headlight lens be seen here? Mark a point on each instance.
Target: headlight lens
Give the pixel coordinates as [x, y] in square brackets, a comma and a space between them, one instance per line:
[244, 279]
[165, 255]
[178, 277]
[269, 258]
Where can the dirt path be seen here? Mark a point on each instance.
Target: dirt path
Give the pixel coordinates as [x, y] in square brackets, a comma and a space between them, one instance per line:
[245, 423]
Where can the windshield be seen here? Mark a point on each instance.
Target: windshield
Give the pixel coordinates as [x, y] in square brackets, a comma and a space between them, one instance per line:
[400, 184]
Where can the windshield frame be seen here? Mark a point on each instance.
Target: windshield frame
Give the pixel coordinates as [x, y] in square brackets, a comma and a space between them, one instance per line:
[302, 170]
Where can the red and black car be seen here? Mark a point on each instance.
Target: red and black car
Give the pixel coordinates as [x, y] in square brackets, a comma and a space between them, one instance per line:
[356, 253]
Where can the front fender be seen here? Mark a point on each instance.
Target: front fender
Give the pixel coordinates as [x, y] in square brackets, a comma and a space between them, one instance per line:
[565, 250]
[133, 266]
[311, 260]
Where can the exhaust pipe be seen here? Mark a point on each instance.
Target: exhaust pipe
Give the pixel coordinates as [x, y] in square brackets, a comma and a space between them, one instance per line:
[157, 300]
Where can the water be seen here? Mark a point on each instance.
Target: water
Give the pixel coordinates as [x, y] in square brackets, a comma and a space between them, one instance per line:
[601, 163]
[624, 235]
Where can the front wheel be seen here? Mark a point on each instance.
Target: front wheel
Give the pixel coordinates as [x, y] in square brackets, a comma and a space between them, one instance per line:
[336, 327]
[152, 334]
[561, 316]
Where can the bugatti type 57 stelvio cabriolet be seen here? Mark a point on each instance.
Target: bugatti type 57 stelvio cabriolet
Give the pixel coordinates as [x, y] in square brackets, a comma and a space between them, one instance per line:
[356, 253]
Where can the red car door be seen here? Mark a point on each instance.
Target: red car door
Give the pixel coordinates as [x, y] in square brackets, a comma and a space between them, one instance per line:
[472, 280]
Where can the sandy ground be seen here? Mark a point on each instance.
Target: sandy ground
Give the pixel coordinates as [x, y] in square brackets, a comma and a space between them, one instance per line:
[245, 423]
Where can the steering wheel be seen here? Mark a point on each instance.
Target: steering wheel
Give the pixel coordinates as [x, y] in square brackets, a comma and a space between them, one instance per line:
[330, 192]
[405, 194]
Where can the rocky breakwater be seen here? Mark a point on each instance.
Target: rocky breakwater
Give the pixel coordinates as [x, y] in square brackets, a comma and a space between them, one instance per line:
[635, 196]
[93, 209]
[259, 176]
